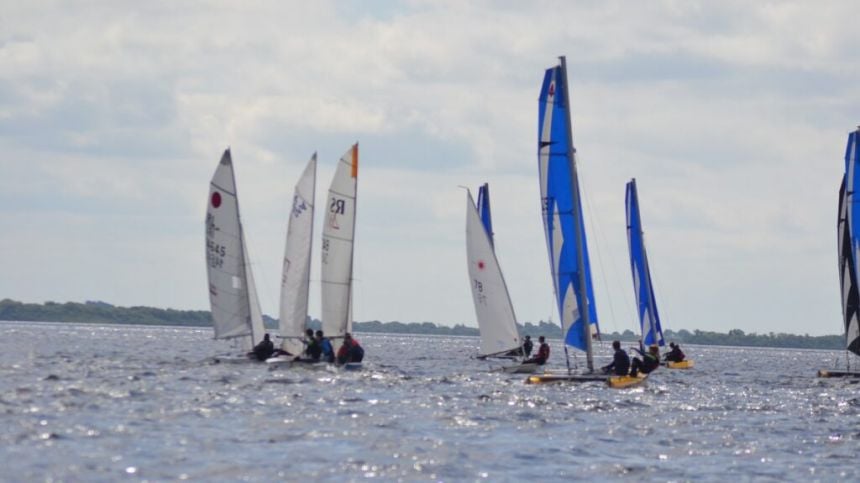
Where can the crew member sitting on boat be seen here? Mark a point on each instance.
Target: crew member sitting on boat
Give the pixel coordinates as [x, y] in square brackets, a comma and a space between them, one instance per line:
[350, 351]
[675, 355]
[313, 351]
[527, 346]
[542, 354]
[264, 349]
[650, 361]
[620, 365]
[326, 349]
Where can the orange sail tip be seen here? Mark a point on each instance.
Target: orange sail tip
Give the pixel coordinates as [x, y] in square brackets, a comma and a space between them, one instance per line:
[355, 160]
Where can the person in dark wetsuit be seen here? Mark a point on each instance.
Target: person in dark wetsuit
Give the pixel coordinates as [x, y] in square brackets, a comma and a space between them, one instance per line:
[313, 351]
[650, 361]
[620, 361]
[542, 354]
[527, 346]
[326, 350]
[675, 355]
[264, 349]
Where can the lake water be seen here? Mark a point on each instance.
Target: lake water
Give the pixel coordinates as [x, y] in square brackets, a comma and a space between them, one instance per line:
[86, 402]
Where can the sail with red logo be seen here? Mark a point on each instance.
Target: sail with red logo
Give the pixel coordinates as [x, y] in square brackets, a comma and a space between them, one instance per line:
[232, 295]
[493, 309]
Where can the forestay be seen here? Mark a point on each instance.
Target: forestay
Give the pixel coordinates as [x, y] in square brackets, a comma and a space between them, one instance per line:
[337, 247]
[232, 296]
[295, 278]
[849, 245]
[562, 211]
[649, 318]
[495, 313]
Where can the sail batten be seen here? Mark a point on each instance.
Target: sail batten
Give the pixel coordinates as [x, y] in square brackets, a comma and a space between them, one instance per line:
[497, 322]
[296, 269]
[646, 303]
[562, 213]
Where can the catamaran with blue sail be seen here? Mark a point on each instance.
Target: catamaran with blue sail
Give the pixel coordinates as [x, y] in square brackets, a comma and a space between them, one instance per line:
[848, 246]
[564, 226]
[497, 323]
[646, 303]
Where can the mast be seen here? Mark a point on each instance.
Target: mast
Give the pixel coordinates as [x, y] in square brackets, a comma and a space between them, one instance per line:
[582, 296]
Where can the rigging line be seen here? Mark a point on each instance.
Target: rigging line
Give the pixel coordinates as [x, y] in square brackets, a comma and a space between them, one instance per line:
[592, 224]
[630, 315]
[655, 280]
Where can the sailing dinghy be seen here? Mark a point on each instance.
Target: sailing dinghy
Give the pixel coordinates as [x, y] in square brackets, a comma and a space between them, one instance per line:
[646, 303]
[338, 246]
[848, 249]
[493, 308]
[233, 298]
[295, 275]
[564, 226]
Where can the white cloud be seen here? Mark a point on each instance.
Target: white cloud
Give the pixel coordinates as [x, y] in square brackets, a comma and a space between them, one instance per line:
[732, 116]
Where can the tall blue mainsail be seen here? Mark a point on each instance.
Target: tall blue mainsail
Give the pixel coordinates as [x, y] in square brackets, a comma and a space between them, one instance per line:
[484, 209]
[646, 304]
[849, 243]
[562, 212]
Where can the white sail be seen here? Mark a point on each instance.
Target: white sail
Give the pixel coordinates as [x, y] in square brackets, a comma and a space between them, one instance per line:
[225, 256]
[496, 320]
[256, 314]
[337, 247]
[295, 279]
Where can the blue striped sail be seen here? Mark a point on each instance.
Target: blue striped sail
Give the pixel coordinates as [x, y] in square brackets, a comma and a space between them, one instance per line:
[848, 246]
[649, 318]
[561, 208]
[484, 209]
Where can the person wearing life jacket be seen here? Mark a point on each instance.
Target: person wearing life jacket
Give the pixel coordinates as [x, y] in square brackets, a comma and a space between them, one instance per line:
[620, 361]
[675, 355]
[264, 349]
[313, 349]
[542, 354]
[650, 361]
[528, 346]
[350, 351]
[327, 352]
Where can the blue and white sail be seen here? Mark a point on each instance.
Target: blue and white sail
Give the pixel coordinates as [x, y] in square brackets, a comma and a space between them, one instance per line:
[849, 245]
[484, 209]
[562, 212]
[646, 304]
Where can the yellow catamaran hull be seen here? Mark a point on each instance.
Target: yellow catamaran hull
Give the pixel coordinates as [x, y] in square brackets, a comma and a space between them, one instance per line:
[687, 364]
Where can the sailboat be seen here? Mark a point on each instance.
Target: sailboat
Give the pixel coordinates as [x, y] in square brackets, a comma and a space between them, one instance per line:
[848, 247]
[296, 270]
[563, 225]
[338, 245]
[493, 308]
[233, 298]
[646, 303]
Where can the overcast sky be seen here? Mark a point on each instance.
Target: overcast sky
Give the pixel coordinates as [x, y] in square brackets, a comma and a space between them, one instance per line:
[732, 116]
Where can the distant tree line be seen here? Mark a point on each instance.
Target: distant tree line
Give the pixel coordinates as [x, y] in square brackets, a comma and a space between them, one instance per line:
[105, 313]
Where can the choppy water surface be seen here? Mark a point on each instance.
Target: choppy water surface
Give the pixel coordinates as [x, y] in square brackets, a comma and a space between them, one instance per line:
[107, 402]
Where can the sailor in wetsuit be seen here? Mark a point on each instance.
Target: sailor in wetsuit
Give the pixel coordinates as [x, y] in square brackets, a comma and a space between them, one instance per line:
[350, 351]
[528, 346]
[326, 350]
[264, 349]
[620, 361]
[650, 361]
[542, 354]
[675, 355]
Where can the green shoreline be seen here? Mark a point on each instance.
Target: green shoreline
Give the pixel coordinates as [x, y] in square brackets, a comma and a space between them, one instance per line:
[104, 313]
